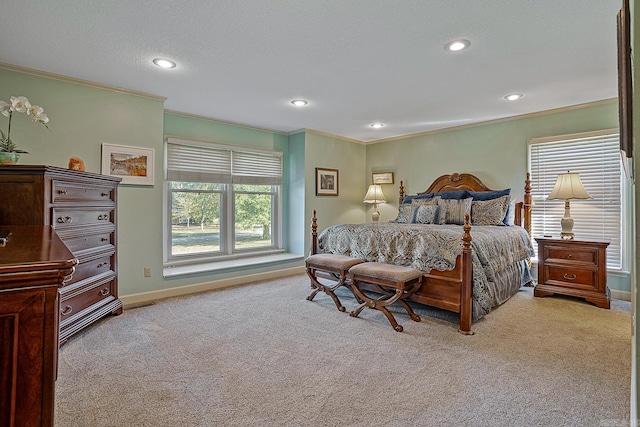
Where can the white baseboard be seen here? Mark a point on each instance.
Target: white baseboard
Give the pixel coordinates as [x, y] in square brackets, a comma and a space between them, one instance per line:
[620, 295]
[143, 298]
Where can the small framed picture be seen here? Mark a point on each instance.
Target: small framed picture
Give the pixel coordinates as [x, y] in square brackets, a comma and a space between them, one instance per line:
[326, 182]
[383, 178]
[133, 164]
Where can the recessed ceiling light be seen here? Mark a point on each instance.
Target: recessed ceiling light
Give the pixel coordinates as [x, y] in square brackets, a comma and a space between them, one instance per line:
[299, 102]
[457, 45]
[164, 63]
[513, 96]
[376, 125]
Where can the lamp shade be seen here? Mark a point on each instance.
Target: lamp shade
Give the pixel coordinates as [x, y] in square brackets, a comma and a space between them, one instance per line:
[374, 195]
[568, 186]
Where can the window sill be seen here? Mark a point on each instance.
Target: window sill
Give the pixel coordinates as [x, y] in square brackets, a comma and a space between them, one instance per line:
[229, 265]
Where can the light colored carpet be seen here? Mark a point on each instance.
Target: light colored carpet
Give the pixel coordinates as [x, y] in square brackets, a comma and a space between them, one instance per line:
[262, 355]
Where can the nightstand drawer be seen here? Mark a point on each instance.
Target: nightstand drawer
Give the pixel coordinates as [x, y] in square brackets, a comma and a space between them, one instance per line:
[573, 277]
[589, 255]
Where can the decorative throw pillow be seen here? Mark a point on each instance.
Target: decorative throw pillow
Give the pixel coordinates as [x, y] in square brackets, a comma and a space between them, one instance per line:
[509, 218]
[424, 214]
[452, 211]
[404, 214]
[489, 195]
[454, 194]
[422, 202]
[409, 199]
[489, 212]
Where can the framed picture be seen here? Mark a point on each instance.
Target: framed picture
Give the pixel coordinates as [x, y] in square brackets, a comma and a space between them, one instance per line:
[133, 164]
[383, 178]
[625, 88]
[326, 182]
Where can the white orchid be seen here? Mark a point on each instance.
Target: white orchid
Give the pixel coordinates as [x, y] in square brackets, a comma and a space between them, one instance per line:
[19, 104]
[5, 108]
[37, 114]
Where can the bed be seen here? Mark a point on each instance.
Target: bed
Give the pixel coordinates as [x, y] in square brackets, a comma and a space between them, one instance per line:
[468, 269]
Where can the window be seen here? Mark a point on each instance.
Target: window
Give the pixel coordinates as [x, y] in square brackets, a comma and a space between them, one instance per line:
[596, 157]
[223, 201]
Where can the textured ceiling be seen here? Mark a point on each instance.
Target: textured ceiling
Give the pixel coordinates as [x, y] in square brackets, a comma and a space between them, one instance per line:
[355, 61]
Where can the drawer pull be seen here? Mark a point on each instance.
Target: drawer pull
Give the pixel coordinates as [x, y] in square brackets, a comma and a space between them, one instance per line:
[103, 264]
[64, 220]
[572, 277]
[67, 310]
[104, 194]
[568, 255]
[63, 192]
[104, 292]
[104, 239]
[103, 217]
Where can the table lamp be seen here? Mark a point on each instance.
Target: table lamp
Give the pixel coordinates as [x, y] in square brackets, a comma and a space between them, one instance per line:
[568, 186]
[374, 195]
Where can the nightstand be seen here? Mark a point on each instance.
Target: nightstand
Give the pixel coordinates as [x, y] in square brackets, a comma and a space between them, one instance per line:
[573, 267]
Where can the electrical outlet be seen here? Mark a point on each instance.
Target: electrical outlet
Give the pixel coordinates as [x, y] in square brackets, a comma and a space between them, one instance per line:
[147, 272]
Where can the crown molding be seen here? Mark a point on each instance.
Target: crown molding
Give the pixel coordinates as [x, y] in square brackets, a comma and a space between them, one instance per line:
[504, 119]
[80, 82]
[224, 122]
[328, 135]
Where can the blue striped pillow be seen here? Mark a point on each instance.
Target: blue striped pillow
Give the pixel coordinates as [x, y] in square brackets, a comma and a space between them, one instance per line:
[452, 211]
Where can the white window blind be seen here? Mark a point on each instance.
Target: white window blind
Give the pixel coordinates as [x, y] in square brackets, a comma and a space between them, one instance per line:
[597, 160]
[256, 168]
[200, 163]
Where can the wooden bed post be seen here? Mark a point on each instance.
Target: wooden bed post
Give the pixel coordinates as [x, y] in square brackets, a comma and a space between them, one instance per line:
[401, 198]
[314, 234]
[527, 204]
[466, 286]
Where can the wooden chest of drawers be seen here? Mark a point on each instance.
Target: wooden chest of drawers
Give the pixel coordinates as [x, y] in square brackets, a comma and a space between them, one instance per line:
[81, 207]
[573, 267]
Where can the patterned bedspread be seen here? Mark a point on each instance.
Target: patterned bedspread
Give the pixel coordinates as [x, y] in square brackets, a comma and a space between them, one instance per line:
[499, 253]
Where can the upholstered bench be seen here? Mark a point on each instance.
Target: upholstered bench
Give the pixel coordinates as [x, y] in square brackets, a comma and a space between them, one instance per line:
[394, 282]
[337, 267]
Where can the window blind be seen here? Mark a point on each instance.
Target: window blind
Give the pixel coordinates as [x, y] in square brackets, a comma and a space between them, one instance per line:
[256, 168]
[199, 163]
[597, 160]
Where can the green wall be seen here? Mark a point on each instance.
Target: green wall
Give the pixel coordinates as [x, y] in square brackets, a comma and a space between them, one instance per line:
[297, 226]
[349, 158]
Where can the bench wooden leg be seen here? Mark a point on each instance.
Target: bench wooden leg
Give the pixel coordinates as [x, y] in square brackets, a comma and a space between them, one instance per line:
[409, 310]
[382, 302]
[327, 289]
